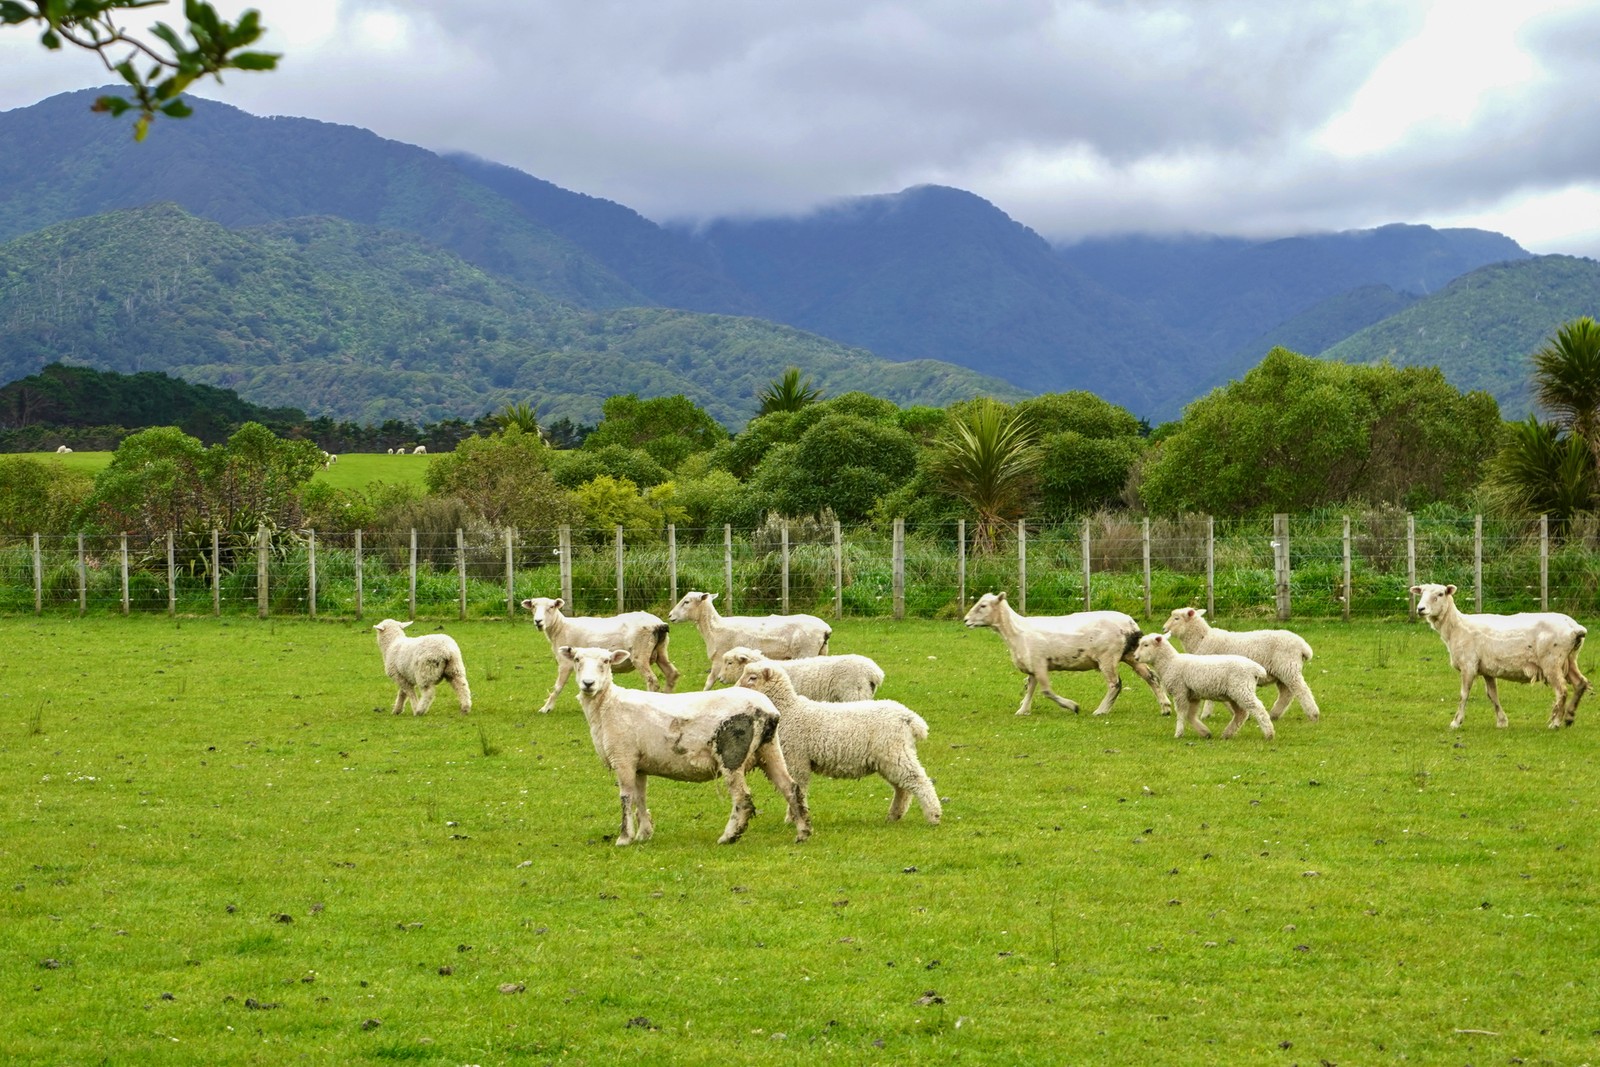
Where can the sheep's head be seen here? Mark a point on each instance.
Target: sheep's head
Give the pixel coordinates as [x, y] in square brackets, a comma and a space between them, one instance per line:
[388, 630]
[1152, 647]
[763, 678]
[1434, 601]
[735, 660]
[542, 606]
[984, 611]
[1184, 620]
[592, 667]
[692, 606]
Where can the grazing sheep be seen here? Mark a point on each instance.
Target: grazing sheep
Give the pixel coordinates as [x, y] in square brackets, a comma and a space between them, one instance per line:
[420, 450]
[391, 451]
[848, 740]
[641, 633]
[1189, 678]
[836, 678]
[1086, 641]
[418, 664]
[688, 737]
[1282, 652]
[779, 636]
[1528, 647]
[62, 450]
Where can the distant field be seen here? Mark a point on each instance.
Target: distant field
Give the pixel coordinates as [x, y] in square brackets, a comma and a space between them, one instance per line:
[355, 470]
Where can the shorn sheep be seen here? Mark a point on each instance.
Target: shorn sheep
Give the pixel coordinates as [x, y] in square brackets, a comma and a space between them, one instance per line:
[1283, 653]
[779, 636]
[420, 450]
[641, 633]
[1190, 678]
[688, 737]
[419, 664]
[836, 678]
[62, 450]
[1529, 647]
[1086, 641]
[848, 740]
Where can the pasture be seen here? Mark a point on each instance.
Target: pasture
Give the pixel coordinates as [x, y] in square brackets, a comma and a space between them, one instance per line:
[217, 847]
[355, 470]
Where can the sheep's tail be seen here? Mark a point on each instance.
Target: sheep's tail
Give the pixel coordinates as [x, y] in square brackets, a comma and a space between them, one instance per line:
[662, 633]
[919, 725]
[827, 634]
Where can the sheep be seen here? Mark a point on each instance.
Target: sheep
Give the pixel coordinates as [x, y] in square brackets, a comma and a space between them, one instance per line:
[1190, 677]
[62, 450]
[779, 636]
[1084, 641]
[391, 451]
[641, 633]
[1283, 653]
[850, 739]
[418, 664]
[420, 450]
[1528, 647]
[688, 737]
[818, 677]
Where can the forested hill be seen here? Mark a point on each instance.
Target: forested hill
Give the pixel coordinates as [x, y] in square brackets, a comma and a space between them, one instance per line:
[363, 324]
[79, 396]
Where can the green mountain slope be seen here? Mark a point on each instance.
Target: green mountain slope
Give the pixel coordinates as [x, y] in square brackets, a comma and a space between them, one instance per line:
[1481, 329]
[358, 323]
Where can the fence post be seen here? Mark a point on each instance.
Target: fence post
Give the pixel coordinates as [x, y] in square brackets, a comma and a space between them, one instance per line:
[172, 579]
[511, 574]
[1280, 563]
[1544, 563]
[359, 575]
[124, 574]
[216, 573]
[411, 596]
[783, 557]
[900, 568]
[961, 563]
[1022, 566]
[261, 571]
[838, 571]
[619, 568]
[311, 573]
[1211, 566]
[727, 564]
[83, 581]
[38, 578]
[1411, 564]
[1477, 563]
[566, 568]
[461, 572]
[1145, 536]
[1347, 590]
[672, 560]
[1087, 596]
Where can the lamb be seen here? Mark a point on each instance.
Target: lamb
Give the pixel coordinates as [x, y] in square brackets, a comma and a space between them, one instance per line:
[779, 636]
[1527, 647]
[1282, 652]
[418, 664]
[836, 678]
[851, 739]
[641, 633]
[1087, 640]
[1191, 677]
[688, 737]
[62, 450]
[420, 450]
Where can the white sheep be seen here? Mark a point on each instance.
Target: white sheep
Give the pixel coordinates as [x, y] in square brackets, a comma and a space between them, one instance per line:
[641, 633]
[420, 450]
[1189, 678]
[391, 451]
[62, 450]
[418, 664]
[1085, 641]
[687, 737]
[847, 677]
[849, 739]
[779, 636]
[1528, 647]
[1283, 653]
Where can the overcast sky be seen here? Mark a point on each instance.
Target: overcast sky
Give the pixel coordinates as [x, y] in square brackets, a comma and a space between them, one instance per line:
[1256, 117]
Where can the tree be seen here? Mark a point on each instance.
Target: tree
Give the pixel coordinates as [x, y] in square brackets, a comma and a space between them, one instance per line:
[1541, 470]
[209, 46]
[787, 393]
[504, 477]
[843, 462]
[1566, 380]
[670, 428]
[987, 459]
[522, 415]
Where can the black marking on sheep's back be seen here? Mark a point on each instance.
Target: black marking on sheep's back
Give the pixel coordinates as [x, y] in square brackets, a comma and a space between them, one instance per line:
[769, 729]
[661, 633]
[734, 739]
[1131, 642]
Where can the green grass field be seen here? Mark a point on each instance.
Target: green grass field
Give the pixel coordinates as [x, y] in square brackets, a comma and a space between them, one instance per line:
[355, 470]
[218, 847]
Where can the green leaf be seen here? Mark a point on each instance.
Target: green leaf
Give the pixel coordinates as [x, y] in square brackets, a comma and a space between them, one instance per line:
[255, 61]
[141, 127]
[177, 109]
[169, 35]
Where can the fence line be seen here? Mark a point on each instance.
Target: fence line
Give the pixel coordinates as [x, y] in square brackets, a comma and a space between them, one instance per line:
[1317, 566]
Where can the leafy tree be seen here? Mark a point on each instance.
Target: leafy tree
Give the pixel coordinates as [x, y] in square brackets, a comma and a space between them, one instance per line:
[574, 468]
[609, 502]
[505, 478]
[987, 459]
[1079, 474]
[670, 428]
[255, 478]
[1541, 470]
[521, 415]
[844, 462]
[1566, 380]
[787, 393]
[208, 46]
[40, 497]
[1078, 412]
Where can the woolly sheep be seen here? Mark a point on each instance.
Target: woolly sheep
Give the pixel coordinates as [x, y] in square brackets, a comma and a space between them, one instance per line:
[62, 450]
[850, 739]
[687, 737]
[641, 633]
[779, 636]
[1085, 641]
[420, 450]
[1282, 652]
[1528, 647]
[1189, 677]
[418, 664]
[845, 677]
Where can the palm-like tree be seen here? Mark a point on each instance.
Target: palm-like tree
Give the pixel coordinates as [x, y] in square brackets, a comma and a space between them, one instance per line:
[1566, 380]
[1542, 470]
[987, 458]
[787, 393]
[521, 415]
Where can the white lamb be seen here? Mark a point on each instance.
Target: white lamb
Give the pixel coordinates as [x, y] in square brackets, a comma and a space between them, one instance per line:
[420, 450]
[1528, 647]
[847, 677]
[1283, 653]
[641, 633]
[848, 740]
[1190, 678]
[418, 664]
[779, 636]
[62, 450]
[688, 737]
[1086, 641]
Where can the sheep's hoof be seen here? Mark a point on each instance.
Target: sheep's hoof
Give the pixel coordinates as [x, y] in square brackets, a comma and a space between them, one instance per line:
[1024, 711]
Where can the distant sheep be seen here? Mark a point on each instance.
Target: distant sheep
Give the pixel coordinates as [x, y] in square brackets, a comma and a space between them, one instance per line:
[420, 450]
[1191, 678]
[1528, 647]
[419, 664]
[779, 636]
[1085, 641]
[644, 636]
[391, 451]
[1283, 653]
[834, 678]
[62, 450]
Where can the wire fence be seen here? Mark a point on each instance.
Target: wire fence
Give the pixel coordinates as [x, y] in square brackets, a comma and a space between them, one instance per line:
[1320, 566]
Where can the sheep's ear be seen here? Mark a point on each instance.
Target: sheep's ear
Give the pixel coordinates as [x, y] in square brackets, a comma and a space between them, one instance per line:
[379, 625]
[528, 603]
[1450, 590]
[1196, 612]
[404, 625]
[620, 656]
[1001, 595]
[766, 674]
[1416, 590]
[559, 603]
[708, 597]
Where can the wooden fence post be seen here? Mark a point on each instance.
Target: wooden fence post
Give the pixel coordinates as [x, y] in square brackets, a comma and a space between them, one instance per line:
[83, 580]
[359, 575]
[1088, 601]
[620, 590]
[899, 568]
[1280, 564]
[672, 561]
[1347, 590]
[411, 595]
[1477, 563]
[511, 573]
[1145, 535]
[1544, 563]
[566, 568]
[172, 578]
[311, 573]
[961, 563]
[1411, 564]
[1022, 566]
[727, 564]
[216, 572]
[38, 577]
[1211, 566]
[461, 572]
[838, 571]
[262, 591]
[124, 574]
[783, 560]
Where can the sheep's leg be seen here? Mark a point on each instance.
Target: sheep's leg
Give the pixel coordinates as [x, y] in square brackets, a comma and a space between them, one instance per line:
[1308, 703]
[1113, 687]
[1027, 695]
[422, 699]
[1205, 709]
[791, 785]
[1493, 690]
[801, 776]
[1183, 710]
[1149, 677]
[711, 675]
[669, 673]
[1579, 686]
[644, 825]
[1239, 715]
[563, 673]
[1467, 677]
[644, 659]
[1281, 705]
[400, 700]
[1042, 685]
[911, 782]
[458, 682]
[626, 779]
[1258, 711]
[1558, 687]
[743, 807]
